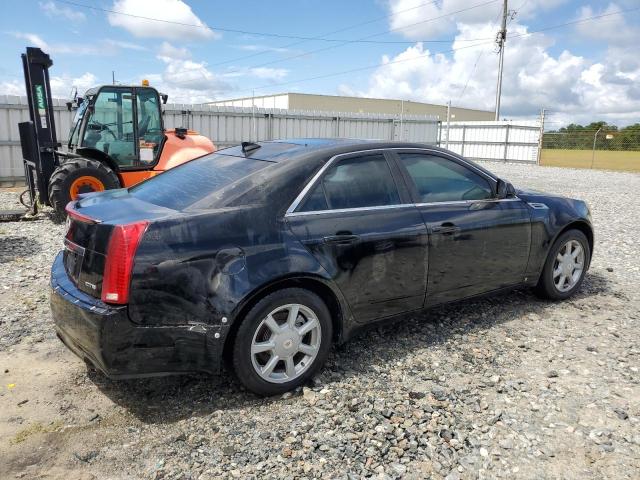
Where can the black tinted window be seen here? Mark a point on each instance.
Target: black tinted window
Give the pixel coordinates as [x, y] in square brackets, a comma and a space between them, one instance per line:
[353, 183]
[182, 186]
[440, 180]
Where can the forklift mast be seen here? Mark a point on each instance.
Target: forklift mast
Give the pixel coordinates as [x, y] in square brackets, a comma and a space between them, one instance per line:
[38, 136]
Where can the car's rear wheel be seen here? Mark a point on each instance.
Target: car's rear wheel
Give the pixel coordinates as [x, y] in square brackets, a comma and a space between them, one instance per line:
[283, 340]
[565, 267]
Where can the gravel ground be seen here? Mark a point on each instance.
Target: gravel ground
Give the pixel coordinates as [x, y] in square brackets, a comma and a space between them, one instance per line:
[503, 387]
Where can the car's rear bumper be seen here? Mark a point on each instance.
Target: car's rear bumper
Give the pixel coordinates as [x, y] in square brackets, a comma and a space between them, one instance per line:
[104, 336]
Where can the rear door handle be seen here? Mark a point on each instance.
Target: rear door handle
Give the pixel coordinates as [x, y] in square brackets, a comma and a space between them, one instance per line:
[446, 228]
[342, 239]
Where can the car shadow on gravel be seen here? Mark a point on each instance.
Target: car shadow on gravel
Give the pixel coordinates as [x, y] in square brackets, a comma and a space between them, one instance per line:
[170, 399]
[12, 247]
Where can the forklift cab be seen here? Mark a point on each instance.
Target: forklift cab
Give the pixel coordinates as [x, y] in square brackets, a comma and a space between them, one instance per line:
[121, 125]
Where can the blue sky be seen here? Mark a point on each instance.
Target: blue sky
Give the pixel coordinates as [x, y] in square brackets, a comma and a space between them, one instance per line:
[579, 71]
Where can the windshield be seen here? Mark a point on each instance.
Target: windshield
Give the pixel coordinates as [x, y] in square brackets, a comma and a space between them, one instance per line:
[77, 119]
[194, 181]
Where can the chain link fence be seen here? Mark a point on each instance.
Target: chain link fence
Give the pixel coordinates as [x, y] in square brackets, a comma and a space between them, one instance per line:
[604, 148]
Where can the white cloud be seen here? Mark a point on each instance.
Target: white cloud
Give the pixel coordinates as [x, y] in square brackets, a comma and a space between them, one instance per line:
[169, 52]
[52, 9]
[118, 44]
[100, 47]
[418, 20]
[165, 11]
[583, 89]
[263, 48]
[186, 80]
[34, 40]
[61, 86]
[266, 73]
[612, 29]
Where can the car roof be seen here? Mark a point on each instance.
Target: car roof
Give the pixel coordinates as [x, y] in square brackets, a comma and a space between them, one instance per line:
[286, 149]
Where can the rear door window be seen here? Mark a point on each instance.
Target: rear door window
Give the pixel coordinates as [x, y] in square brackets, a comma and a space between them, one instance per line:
[183, 186]
[355, 182]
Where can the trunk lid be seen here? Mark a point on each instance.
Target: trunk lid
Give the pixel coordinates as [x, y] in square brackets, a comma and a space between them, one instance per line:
[90, 222]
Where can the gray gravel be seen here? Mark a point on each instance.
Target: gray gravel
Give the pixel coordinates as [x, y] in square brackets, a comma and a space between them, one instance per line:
[503, 387]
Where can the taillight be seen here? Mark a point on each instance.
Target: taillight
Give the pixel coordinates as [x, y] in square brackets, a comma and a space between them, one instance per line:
[119, 261]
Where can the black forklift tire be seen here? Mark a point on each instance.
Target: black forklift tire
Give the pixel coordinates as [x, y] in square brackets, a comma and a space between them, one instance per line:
[67, 173]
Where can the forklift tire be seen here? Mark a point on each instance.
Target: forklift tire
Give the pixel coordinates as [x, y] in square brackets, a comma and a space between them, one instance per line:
[76, 176]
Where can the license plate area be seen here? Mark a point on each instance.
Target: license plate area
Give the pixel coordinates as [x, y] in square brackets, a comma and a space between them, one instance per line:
[73, 257]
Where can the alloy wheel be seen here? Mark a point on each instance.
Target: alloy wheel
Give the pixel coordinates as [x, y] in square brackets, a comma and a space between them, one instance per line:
[568, 266]
[286, 343]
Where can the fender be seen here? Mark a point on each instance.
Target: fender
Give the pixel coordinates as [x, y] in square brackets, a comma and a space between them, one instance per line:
[550, 217]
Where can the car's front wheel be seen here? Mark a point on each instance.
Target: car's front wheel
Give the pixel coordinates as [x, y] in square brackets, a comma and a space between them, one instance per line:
[283, 340]
[565, 267]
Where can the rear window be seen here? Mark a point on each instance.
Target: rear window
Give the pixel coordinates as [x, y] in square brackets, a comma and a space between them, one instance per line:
[187, 184]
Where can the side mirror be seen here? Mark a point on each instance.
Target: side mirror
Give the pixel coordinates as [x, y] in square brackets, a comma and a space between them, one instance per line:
[504, 189]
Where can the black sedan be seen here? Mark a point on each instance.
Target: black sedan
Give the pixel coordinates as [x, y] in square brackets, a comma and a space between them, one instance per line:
[265, 254]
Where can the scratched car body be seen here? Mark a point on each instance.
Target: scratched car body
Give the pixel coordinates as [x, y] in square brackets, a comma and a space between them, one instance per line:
[266, 254]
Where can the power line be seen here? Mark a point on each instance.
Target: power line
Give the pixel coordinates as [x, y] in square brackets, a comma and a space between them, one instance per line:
[331, 47]
[281, 35]
[574, 22]
[350, 27]
[475, 65]
[369, 67]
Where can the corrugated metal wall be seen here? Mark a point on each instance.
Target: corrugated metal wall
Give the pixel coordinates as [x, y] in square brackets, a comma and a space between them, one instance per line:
[231, 125]
[505, 141]
[227, 126]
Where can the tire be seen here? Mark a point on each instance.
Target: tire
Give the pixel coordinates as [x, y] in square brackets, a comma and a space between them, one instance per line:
[64, 177]
[254, 328]
[547, 286]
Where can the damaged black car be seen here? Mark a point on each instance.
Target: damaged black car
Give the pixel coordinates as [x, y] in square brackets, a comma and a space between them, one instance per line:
[268, 253]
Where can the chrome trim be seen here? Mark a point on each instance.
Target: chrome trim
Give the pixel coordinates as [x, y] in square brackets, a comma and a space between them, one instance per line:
[467, 202]
[450, 155]
[291, 210]
[538, 205]
[346, 210]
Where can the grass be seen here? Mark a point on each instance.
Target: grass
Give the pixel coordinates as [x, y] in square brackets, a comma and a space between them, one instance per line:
[627, 161]
[34, 429]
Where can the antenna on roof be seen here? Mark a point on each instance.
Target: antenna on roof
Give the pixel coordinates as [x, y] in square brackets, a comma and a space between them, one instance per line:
[248, 147]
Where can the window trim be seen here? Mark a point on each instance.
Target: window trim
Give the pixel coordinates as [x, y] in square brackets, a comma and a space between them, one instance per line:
[302, 196]
[411, 184]
[390, 154]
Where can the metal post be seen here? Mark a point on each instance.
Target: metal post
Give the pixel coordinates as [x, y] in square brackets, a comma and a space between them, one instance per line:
[593, 153]
[253, 116]
[541, 135]
[464, 134]
[502, 37]
[448, 123]
[506, 143]
[401, 119]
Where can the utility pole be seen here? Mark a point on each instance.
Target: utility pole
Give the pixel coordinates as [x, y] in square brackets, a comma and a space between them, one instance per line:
[502, 37]
[113, 77]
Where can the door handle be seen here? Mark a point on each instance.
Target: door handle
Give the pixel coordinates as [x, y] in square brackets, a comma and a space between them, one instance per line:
[342, 238]
[446, 228]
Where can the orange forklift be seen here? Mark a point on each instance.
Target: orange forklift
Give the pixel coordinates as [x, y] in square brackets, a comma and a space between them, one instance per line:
[117, 139]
